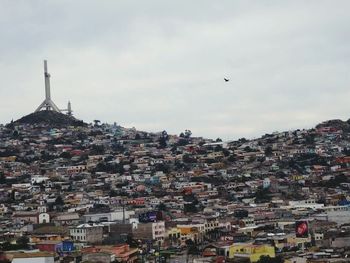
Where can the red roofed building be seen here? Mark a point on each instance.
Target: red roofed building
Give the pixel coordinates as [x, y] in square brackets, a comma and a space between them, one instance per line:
[122, 252]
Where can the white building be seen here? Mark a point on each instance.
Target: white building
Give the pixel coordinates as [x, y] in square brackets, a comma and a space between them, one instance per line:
[44, 218]
[37, 179]
[108, 217]
[35, 257]
[266, 183]
[309, 203]
[87, 233]
[151, 231]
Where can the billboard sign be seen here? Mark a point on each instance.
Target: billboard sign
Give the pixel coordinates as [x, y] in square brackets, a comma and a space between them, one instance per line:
[148, 217]
[301, 229]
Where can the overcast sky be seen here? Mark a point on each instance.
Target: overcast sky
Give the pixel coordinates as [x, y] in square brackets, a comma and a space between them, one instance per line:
[158, 65]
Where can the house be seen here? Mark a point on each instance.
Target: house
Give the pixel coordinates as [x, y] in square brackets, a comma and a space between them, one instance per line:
[31, 257]
[251, 252]
[116, 215]
[152, 230]
[102, 257]
[23, 217]
[49, 233]
[66, 219]
[120, 253]
[48, 246]
[87, 233]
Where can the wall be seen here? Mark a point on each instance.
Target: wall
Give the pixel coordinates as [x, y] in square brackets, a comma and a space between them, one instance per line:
[34, 260]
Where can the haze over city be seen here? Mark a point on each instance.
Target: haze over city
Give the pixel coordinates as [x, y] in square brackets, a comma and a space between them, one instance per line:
[160, 65]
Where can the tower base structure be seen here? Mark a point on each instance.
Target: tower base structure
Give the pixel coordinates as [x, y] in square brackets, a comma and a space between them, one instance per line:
[48, 105]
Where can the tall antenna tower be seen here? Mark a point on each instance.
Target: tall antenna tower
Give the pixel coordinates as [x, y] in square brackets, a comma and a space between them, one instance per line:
[47, 104]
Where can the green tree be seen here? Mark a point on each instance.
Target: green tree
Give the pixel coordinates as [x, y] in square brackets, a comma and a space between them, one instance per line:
[310, 139]
[188, 133]
[226, 152]
[162, 207]
[248, 149]
[2, 178]
[113, 193]
[191, 206]
[97, 149]
[22, 242]
[262, 195]
[164, 137]
[59, 201]
[162, 142]
[66, 155]
[182, 142]
[186, 158]
[268, 151]
[218, 148]
[232, 158]
[192, 248]
[243, 140]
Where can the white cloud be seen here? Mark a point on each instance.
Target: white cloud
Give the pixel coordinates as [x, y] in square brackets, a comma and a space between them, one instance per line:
[160, 65]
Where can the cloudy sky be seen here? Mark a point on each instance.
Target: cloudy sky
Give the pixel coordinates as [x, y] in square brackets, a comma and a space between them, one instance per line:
[160, 64]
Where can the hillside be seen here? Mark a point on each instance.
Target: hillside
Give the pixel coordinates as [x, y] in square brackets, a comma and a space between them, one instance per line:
[50, 118]
[338, 124]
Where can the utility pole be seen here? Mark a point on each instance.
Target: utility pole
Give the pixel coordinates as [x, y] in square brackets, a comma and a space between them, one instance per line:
[123, 205]
[159, 252]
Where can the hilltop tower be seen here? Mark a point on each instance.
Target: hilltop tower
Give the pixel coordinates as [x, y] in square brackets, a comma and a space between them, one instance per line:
[69, 109]
[47, 104]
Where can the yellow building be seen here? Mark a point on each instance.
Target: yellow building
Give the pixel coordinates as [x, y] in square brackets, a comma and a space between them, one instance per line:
[297, 241]
[52, 237]
[8, 159]
[297, 177]
[194, 232]
[252, 252]
[173, 233]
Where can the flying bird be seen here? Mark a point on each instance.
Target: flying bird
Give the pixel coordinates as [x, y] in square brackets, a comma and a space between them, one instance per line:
[226, 79]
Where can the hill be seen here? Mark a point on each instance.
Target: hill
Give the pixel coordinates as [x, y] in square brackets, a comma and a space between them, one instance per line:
[51, 118]
[338, 124]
